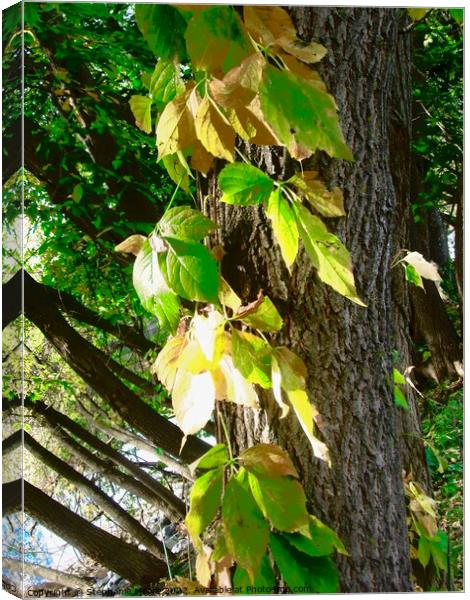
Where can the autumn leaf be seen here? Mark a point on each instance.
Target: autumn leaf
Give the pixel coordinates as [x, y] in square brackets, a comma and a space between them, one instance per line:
[232, 386]
[267, 460]
[216, 40]
[175, 127]
[265, 318]
[327, 203]
[166, 364]
[214, 131]
[193, 398]
[209, 332]
[271, 26]
[133, 244]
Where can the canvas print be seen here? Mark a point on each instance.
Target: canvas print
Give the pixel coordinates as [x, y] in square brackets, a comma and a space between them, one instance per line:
[232, 290]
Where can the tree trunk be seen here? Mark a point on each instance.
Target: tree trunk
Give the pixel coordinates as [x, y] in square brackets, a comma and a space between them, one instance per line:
[137, 566]
[65, 580]
[87, 361]
[347, 349]
[128, 524]
[160, 496]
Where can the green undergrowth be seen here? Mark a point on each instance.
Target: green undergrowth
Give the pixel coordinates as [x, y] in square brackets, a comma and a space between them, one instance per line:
[443, 433]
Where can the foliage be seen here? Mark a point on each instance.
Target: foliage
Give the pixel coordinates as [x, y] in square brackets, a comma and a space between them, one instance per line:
[237, 91]
[443, 434]
[260, 531]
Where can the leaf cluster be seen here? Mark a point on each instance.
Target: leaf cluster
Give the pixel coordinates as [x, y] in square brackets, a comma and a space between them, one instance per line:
[260, 506]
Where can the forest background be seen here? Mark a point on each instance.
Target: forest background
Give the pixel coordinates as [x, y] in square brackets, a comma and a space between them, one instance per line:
[107, 487]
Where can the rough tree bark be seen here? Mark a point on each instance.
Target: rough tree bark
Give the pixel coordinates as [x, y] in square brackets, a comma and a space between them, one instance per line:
[347, 349]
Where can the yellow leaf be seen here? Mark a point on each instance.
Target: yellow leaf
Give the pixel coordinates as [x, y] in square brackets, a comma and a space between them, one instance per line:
[209, 332]
[237, 389]
[214, 130]
[304, 51]
[203, 568]
[201, 160]
[166, 363]
[228, 297]
[192, 359]
[240, 85]
[265, 135]
[328, 204]
[133, 244]
[299, 68]
[268, 24]
[267, 460]
[193, 400]
[305, 413]
[175, 128]
[276, 379]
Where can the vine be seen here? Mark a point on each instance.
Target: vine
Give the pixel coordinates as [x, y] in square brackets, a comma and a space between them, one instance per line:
[220, 75]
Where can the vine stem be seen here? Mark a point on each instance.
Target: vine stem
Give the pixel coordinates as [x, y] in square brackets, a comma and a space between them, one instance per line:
[242, 156]
[227, 437]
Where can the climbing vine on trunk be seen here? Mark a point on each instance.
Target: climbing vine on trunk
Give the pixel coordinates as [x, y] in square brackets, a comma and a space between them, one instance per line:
[219, 75]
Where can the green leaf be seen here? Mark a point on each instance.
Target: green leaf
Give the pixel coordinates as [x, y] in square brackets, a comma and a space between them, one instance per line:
[252, 357]
[77, 193]
[398, 377]
[190, 270]
[176, 170]
[282, 501]
[328, 204]
[215, 457]
[165, 83]
[246, 531]
[263, 578]
[267, 460]
[163, 28]
[265, 317]
[412, 275]
[439, 548]
[186, 223]
[244, 184]
[328, 254]
[204, 501]
[303, 116]
[400, 398]
[140, 107]
[216, 40]
[456, 14]
[424, 551]
[323, 540]
[316, 574]
[284, 226]
[153, 292]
